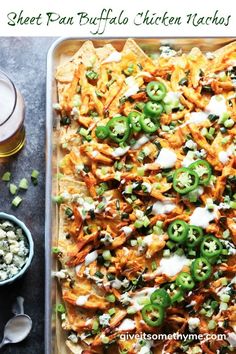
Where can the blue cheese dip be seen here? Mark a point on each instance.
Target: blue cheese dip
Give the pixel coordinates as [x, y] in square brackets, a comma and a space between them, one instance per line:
[14, 249]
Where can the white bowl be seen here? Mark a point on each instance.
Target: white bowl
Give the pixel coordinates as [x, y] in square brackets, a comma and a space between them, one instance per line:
[27, 234]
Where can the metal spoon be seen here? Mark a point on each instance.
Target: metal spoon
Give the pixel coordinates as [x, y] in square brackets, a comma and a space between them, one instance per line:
[16, 329]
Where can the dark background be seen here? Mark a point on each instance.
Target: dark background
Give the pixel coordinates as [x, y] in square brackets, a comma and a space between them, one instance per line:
[24, 60]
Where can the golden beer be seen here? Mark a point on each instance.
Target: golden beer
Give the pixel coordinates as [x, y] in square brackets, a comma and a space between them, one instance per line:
[12, 113]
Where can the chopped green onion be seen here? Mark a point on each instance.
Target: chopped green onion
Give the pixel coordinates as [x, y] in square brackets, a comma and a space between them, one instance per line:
[140, 171]
[229, 123]
[170, 244]
[224, 281]
[109, 83]
[60, 308]
[192, 253]
[202, 312]
[214, 304]
[111, 298]
[16, 201]
[166, 253]
[111, 311]
[6, 176]
[98, 274]
[179, 252]
[93, 114]
[105, 340]
[65, 121]
[212, 324]
[55, 250]
[58, 199]
[183, 81]
[232, 204]
[101, 188]
[91, 75]
[159, 224]
[165, 128]
[85, 134]
[110, 277]
[118, 165]
[223, 306]
[154, 266]
[24, 184]
[34, 177]
[69, 212]
[99, 94]
[211, 131]
[107, 255]
[223, 117]
[12, 188]
[101, 206]
[209, 313]
[138, 224]
[226, 234]
[225, 298]
[95, 325]
[213, 117]
[131, 310]
[225, 140]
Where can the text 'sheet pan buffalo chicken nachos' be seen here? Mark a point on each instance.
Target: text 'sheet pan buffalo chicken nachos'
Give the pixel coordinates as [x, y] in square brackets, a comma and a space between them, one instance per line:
[147, 199]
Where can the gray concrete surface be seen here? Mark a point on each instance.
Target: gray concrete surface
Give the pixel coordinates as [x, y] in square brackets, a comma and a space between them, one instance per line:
[24, 59]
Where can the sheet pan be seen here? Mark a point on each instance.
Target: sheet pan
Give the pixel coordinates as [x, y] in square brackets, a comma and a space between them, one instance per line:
[60, 51]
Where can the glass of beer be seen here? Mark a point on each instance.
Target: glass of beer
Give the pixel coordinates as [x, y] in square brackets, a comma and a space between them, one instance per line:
[12, 113]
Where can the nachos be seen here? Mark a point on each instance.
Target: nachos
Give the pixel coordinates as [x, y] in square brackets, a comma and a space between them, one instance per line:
[147, 199]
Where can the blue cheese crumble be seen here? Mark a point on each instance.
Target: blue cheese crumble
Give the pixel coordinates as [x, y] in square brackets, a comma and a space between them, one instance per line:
[13, 250]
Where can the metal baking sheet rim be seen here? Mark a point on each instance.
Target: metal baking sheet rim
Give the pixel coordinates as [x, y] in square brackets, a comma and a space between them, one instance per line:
[207, 41]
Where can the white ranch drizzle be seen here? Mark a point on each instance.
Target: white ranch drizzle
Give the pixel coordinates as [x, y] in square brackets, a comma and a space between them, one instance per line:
[202, 217]
[126, 325]
[120, 151]
[81, 300]
[140, 142]
[91, 257]
[164, 207]
[172, 265]
[166, 158]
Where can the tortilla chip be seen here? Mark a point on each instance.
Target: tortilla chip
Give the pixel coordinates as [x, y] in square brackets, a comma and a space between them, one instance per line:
[74, 348]
[104, 52]
[132, 46]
